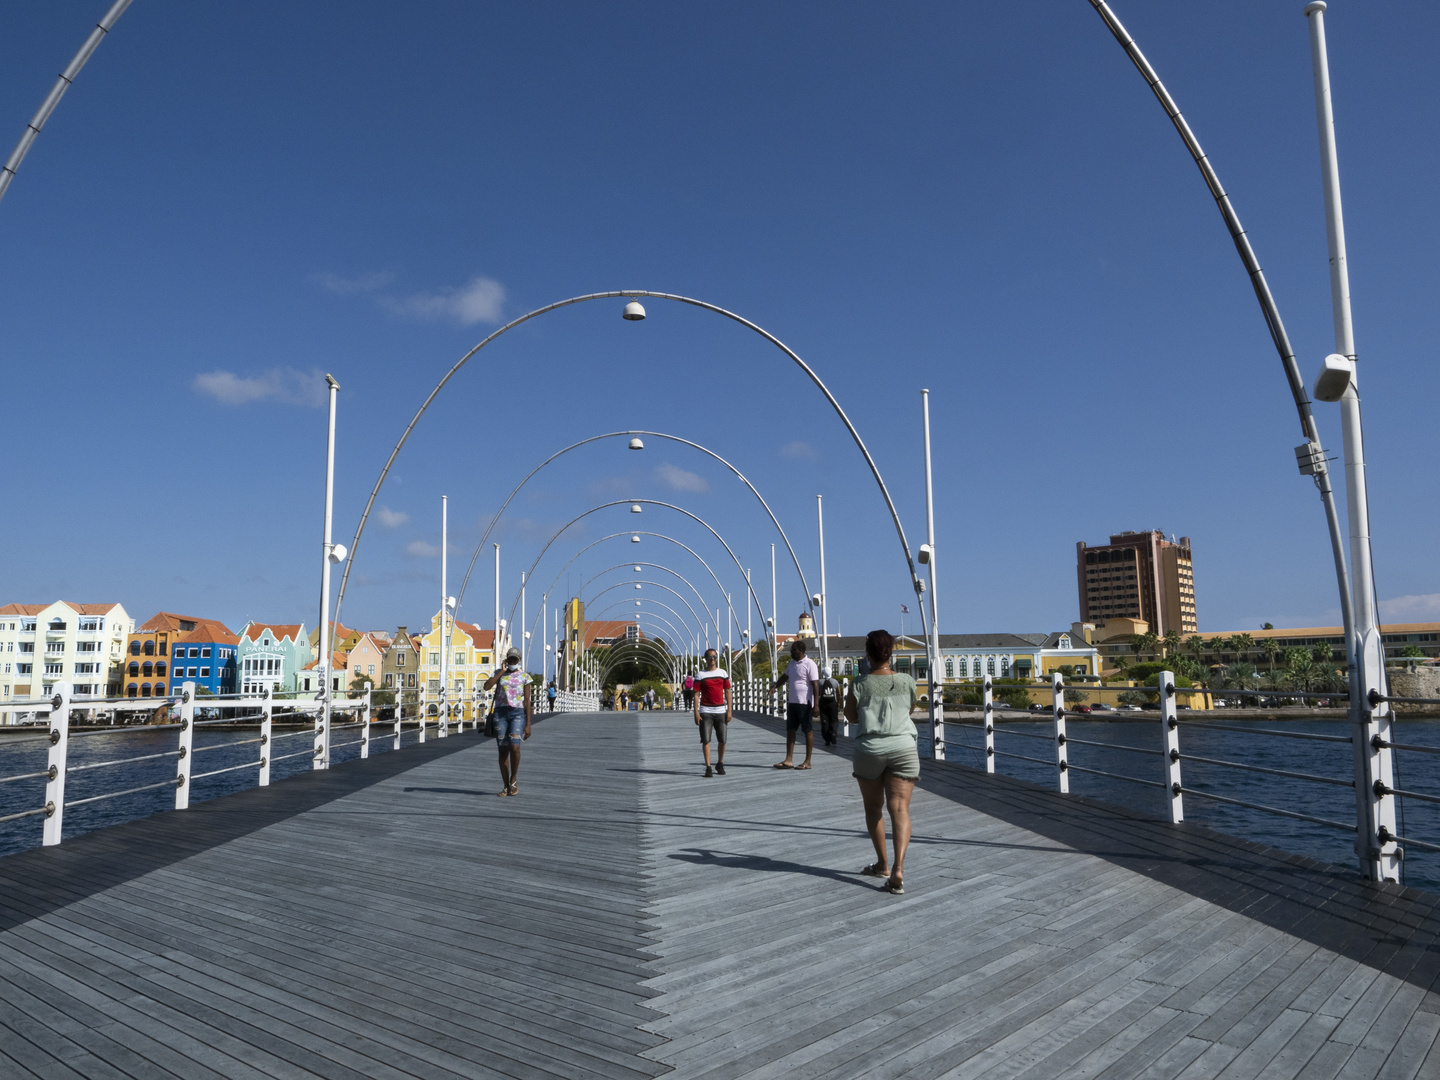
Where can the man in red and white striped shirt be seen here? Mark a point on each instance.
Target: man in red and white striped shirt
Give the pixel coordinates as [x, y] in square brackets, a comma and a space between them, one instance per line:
[713, 709]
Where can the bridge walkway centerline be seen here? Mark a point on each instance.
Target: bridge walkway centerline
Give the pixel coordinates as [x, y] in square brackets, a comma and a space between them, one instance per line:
[625, 916]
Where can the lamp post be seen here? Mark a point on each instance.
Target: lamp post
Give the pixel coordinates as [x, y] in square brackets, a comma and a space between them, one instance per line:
[927, 557]
[330, 554]
[824, 622]
[1374, 772]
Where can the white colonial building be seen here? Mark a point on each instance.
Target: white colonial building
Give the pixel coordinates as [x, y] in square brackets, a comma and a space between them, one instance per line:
[974, 656]
[45, 644]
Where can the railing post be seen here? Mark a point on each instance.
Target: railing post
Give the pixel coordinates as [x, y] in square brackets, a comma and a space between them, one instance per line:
[422, 710]
[443, 724]
[321, 758]
[185, 766]
[59, 747]
[1057, 706]
[365, 723]
[267, 750]
[987, 696]
[1170, 734]
[399, 713]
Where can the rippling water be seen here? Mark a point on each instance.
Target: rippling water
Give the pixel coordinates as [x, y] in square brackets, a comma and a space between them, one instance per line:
[1418, 772]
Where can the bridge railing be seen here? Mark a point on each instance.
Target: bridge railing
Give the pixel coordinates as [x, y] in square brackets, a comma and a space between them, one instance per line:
[355, 720]
[1276, 769]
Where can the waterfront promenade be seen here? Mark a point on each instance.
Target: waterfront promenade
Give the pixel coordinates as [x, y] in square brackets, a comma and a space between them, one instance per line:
[626, 917]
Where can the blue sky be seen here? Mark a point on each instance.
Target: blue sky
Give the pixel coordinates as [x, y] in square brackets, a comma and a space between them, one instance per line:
[980, 199]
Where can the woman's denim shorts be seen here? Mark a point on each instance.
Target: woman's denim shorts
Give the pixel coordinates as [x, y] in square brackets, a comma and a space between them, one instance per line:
[509, 724]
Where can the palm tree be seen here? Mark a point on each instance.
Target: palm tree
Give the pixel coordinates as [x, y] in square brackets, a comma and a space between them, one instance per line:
[1322, 652]
[1172, 642]
[1271, 648]
[1301, 669]
[1242, 644]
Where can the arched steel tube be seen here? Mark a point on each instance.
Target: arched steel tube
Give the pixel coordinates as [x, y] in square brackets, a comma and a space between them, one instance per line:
[632, 293]
[579, 593]
[699, 621]
[480, 547]
[651, 600]
[629, 651]
[644, 502]
[52, 99]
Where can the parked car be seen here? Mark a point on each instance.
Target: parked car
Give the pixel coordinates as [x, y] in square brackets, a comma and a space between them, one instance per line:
[1039, 708]
[1130, 708]
[1100, 706]
[1083, 709]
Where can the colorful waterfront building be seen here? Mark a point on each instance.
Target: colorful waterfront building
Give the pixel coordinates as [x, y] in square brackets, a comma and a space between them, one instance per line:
[45, 644]
[272, 655]
[170, 649]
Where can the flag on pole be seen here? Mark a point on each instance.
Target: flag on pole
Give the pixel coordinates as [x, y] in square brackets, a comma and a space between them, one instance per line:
[904, 609]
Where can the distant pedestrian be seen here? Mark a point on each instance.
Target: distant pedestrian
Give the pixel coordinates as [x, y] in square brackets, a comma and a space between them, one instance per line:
[713, 709]
[886, 760]
[624, 700]
[552, 694]
[650, 699]
[829, 709]
[512, 718]
[802, 677]
[688, 687]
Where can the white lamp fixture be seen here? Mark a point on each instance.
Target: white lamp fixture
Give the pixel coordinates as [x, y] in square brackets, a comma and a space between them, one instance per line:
[634, 539]
[633, 312]
[338, 553]
[1336, 374]
[923, 555]
[637, 569]
[450, 602]
[636, 444]
[637, 584]
[635, 508]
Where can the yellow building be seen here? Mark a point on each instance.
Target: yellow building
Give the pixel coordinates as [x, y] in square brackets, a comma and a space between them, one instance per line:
[472, 657]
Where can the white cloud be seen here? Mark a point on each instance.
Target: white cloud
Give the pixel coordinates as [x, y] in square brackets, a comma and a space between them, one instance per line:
[799, 449]
[285, 385]
[681, 479]
[364, 283]
[422, 550]
[479, 301]
[1424, 608]
[391, 518]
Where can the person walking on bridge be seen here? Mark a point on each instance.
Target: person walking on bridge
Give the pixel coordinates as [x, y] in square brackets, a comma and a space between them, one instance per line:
[713, 709]
[829, 705]
[512, 718]
[689, 688]
[803, 678]
[551, 693]
[886, 761]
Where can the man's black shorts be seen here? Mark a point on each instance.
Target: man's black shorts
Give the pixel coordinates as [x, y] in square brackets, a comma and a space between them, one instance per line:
[797, 717]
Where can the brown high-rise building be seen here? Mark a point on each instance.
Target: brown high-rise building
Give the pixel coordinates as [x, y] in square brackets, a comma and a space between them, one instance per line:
[1138, 575]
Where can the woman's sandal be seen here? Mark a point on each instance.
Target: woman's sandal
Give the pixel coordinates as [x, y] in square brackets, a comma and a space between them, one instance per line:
[514, 789]
[503, 792]
[799, 767]
[876, 870]
[894, 887]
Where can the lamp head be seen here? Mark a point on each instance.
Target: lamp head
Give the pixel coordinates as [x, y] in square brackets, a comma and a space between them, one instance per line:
[338, 553]
[637, 569]
[636, 444]
[815, 599]
[636, 509]
[450, 602]
[637, 584]
[923, 555]
[634, 539]
[633, 312]
[1336, 374]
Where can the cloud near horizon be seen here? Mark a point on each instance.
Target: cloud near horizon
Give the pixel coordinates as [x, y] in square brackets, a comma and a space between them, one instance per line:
[799, 449]
[391, 518]
[1423, 608]
[479, 301]
[680, 479]
[284, 385]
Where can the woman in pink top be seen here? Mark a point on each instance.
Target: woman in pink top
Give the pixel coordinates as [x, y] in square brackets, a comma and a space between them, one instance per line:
[512, 718]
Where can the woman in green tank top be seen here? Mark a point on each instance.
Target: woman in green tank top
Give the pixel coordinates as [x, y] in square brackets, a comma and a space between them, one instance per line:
[886, 761]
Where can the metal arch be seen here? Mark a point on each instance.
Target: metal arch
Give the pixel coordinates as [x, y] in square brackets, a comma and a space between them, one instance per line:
[480, 547]
[650, 600]
[636, 532]
[657, 566]
[698, 620]
[649, 647]
[52, 99]
[614, 294]
[645, 502]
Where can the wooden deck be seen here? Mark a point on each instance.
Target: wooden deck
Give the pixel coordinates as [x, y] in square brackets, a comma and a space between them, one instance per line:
[625, 917]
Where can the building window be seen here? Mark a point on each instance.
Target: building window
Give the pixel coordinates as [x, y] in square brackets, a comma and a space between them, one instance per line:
[459, 659]
[204, 673]
[989, 665]
[134, 648]
[148, 669]
[54, 669]
[145, 689]
[1005, 667]
[159, 689]
[400, 659]
[192, 673]
[204, 653]
[134, 668]
[434, 659]
[149, 648]
[160, 668]
[369, 669]
[389, 678]
[132, 690]
[949, 667]
[24, 669]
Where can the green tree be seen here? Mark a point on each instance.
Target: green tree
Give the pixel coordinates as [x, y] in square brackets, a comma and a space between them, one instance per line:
[1242, 644]
[1074, 697]
[1268, 626]
[1172, 642]
[1271, 648]
[1412, 651]
[1137, 697]
[1323, 652]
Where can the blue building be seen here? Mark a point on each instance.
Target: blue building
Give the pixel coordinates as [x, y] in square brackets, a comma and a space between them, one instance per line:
[171, 649]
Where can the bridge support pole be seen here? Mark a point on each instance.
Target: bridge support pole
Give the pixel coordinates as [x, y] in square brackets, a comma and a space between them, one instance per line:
[365, 724]
[59, 751]
[1170, 738]
[988, 698]
[185, 766]
[1057, 708]
[267, 748]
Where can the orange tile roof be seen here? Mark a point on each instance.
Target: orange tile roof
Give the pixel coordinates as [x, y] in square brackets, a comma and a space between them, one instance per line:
[79, 609]
[480, 639]
[23, 609]
[281, 631]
